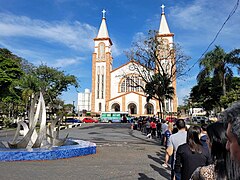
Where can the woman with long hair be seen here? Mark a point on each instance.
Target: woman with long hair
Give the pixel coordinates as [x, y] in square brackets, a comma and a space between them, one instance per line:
[216, 140]
[167, 135]
[191, 155]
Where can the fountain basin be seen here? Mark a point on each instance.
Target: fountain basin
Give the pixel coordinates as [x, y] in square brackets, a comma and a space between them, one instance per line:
[73, 148]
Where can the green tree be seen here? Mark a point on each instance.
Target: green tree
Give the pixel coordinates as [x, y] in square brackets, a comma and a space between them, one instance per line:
[206, 94]
[218, 65]
[53, 82]
[10, 72]
[233, 93]
[29, 85]
[158, 64]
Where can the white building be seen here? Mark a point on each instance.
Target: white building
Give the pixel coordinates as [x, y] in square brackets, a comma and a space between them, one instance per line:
[84, 101]
[197, 112]
[110, 91]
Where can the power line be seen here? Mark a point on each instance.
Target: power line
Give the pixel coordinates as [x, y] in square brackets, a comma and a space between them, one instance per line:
[214, 39]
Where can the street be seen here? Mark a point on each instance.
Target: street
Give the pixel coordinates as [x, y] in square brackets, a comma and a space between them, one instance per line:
[122, 153]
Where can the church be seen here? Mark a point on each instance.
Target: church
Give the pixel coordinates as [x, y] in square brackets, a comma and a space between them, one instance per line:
[110, 88]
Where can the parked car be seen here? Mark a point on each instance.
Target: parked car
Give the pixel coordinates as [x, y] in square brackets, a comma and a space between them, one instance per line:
[72, 120]
[171, 119]
[200, 119]
[89, 120]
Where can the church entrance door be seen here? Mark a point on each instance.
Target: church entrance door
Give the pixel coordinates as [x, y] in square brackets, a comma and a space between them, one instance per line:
[132, 108]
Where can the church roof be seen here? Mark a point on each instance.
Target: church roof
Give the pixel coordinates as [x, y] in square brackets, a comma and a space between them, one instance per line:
[163, 29]
[103, 32]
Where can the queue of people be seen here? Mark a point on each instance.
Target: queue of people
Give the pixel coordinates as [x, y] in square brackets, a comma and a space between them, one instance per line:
[206, 152]
[210, 152]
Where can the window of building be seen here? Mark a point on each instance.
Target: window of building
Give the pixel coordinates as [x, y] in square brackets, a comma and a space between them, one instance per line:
[129, 84]
[100, 107]
[98, 82]
[102, 89]
[101, 51]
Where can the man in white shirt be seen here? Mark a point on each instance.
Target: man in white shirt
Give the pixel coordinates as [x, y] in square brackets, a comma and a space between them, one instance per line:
[176, 140]
[164, 127]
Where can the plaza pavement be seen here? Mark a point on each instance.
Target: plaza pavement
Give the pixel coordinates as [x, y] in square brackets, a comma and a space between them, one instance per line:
[122, 154]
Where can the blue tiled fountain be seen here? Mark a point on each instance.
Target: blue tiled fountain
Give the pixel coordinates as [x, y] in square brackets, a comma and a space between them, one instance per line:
[43, 143]
[73, 148]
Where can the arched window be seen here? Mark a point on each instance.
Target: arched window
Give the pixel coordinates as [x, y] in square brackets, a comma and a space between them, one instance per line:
[165, 48]
[98, 82]
[101, 51]
[102, 89]
[130, 84]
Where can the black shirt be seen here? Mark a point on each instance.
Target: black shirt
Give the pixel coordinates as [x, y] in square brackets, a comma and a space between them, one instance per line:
[187, 161]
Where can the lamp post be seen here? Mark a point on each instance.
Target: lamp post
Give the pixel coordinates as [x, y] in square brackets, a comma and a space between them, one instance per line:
[190, 109]
[73, 107]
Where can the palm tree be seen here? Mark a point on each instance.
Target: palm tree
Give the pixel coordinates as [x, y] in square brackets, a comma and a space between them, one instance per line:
[29, 85]
[217, 64]
[160, 88]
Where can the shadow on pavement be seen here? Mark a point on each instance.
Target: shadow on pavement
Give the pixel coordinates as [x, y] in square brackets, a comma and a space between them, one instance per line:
[160, 160]
[144, 177]
[161, 171]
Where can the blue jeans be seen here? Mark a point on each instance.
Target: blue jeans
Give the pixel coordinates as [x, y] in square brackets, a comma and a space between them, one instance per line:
[177, 176]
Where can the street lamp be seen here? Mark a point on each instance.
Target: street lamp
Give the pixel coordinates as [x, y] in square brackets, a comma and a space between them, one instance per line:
[73, 107]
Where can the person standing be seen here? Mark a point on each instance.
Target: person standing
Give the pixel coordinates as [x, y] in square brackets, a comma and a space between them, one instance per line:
[231, 117]
[176, 140]
[164, 127]
[167, 135]
[216, 141]
[203, 137]
[153, 128]
[148, 129]
[158, 129]
[191, 154]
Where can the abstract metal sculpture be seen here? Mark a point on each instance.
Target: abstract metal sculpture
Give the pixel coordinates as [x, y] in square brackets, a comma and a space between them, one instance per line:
[42, 138]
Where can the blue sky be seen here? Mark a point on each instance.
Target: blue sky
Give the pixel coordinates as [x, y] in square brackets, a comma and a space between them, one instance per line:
[60, 33]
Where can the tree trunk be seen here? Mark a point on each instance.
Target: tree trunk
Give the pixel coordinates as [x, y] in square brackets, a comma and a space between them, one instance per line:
[224, 85]
[160, 109]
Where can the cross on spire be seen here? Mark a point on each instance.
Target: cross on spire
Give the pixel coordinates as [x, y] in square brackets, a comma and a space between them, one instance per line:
[162, 6]
[104, 12]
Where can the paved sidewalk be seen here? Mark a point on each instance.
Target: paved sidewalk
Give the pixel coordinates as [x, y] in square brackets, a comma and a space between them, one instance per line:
[121, 154]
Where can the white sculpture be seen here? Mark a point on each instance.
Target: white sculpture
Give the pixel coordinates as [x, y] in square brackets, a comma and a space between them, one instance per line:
[32, 138]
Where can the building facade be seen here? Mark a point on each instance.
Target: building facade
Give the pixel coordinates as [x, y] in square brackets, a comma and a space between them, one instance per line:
[110, 87]
[84, 101]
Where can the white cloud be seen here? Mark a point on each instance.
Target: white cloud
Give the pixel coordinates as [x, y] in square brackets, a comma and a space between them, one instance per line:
[200, 14]
[65, 62]
[116, 50]
[139, 36]
[75, 35]
[198, 22]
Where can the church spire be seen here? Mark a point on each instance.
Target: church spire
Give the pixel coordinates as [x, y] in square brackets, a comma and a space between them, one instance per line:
[103, 32]
[163, 29]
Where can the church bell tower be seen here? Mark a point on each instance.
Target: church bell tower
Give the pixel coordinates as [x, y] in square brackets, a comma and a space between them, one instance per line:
[167, 38]
[101, 68]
